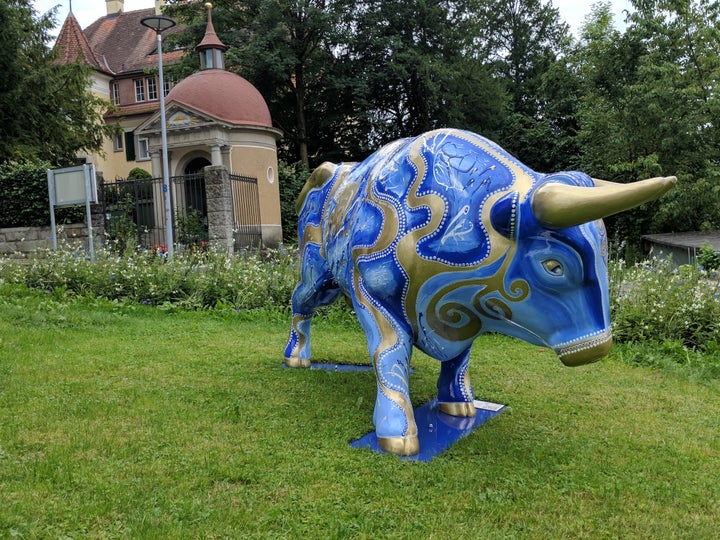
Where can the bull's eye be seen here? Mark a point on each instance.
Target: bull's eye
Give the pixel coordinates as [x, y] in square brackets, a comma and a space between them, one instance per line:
[553, 267]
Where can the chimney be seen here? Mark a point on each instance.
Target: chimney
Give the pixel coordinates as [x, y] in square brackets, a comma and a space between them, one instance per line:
[159, 4]
[115, 6]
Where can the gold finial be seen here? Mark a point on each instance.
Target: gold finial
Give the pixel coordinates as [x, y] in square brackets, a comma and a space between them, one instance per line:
[208, 5]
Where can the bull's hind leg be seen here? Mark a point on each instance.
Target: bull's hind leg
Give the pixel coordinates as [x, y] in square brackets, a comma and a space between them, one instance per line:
[390, 347]
[455, 394]
[316, 288]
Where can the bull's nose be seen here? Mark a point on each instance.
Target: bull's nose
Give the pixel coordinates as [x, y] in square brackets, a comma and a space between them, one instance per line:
[587, 351]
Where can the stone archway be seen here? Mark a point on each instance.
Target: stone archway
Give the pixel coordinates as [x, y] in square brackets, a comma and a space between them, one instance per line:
[196, 165]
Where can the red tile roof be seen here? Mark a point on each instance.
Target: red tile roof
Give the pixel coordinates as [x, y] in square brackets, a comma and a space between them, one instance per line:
[121, 42]
[72, 46]
[222, 95]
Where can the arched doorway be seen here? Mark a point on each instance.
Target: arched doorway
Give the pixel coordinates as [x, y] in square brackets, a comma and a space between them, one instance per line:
[196, 165]
[192, 223]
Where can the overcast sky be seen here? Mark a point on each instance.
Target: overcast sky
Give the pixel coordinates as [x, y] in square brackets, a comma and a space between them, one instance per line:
[87, 11]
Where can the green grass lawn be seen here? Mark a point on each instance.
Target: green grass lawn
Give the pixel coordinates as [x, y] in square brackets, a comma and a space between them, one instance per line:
[132, 422]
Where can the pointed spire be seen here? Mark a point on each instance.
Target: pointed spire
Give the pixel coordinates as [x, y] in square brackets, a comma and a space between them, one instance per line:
[72, 46]
[211, 48]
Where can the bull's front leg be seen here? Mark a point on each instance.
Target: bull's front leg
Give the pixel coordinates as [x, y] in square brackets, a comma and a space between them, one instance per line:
[390, 347]
[455, 394]
[316, 288]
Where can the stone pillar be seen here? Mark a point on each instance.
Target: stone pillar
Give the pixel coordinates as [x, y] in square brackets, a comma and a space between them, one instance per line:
[156, 157]
[219, 206]
[215, 155]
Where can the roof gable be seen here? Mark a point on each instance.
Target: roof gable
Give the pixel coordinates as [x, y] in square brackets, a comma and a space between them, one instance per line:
[125, 45]
[178, 118]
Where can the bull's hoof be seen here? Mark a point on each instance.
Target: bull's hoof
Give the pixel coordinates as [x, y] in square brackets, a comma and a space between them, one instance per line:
[401, 446]
[458, 408]
[297, 362]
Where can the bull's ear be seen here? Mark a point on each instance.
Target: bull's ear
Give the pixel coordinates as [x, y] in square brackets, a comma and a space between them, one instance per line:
[317, 179]
[558, 205]
[503, 214]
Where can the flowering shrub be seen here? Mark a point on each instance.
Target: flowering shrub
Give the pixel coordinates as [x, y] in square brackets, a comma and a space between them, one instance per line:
[650, 301]
[655, 301]
[192, 279]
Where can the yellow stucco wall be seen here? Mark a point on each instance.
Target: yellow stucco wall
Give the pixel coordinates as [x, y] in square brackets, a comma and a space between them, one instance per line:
[261, 163]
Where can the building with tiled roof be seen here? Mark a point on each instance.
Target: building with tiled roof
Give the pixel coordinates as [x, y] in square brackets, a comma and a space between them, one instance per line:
[123, 55]
[213, 117]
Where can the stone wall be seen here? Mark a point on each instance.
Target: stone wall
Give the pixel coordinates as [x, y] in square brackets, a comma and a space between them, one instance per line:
[21, 241]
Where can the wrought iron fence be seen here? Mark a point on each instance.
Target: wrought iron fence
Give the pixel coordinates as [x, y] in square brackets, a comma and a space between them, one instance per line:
[135, 211]
[247, 231]
[190, 205]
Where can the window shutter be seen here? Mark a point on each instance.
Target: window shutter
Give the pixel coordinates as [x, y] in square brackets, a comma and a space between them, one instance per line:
[129, 146]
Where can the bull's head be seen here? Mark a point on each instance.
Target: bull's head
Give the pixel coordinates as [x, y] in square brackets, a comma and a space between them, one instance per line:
[561, 253]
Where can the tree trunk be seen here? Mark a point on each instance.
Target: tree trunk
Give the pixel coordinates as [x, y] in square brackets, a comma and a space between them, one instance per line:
[300, 115]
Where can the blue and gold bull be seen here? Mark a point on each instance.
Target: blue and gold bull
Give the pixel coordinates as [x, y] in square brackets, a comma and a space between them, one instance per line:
[440, 238]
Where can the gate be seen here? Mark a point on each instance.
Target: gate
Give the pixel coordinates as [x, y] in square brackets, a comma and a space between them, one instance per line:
[135, 211]
[247, 230]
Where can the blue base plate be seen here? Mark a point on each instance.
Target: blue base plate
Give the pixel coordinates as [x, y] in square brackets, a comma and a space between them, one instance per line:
[437, 431]
[341, 367]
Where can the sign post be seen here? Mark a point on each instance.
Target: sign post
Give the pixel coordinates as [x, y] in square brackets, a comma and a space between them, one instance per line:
[69, 187]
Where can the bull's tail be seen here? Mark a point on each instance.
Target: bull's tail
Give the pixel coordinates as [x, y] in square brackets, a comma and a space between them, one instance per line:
[317, 179]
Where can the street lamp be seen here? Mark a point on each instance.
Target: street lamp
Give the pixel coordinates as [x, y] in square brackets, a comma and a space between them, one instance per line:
[160, 24]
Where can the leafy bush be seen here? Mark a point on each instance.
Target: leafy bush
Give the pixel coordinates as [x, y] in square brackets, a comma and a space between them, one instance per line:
[192, 229]
[708, 258]
[136, 173]
[292, 178]
[24, 199]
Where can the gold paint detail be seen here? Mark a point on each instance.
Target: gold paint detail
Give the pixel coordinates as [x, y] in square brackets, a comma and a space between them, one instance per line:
[317, 179]
[420, 269]
[460, 409]
[553, 267]
[557, 205]
[401, 446]
[587, 351]
[297, 362]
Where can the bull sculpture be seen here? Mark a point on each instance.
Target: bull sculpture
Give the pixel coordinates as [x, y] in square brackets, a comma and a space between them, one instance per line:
[442, 237]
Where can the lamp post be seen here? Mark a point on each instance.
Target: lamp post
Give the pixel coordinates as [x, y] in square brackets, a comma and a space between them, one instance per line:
[159, 24]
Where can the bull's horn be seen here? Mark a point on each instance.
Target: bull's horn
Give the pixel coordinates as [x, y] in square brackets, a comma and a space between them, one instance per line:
[558, 205]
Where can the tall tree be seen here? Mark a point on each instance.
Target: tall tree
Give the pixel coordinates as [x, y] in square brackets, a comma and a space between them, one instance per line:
[46, 111]
[417, 73]
[285, 48]
[650, 107]
[525, 42]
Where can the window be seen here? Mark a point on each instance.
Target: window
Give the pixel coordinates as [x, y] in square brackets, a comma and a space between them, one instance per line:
[168, 83]
[206, 60]
[115, 94]
[152, 88]
[119, 142]
[139, 90]
[143, 149]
